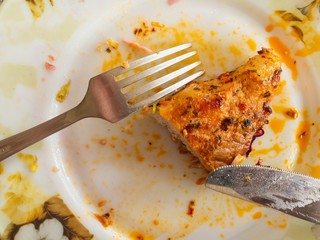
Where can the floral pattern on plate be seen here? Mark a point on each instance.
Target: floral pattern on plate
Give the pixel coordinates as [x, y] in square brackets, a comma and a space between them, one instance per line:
[53, 222]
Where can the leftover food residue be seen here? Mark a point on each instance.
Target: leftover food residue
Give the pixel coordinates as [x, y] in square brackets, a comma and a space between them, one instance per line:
[212, 117]
[63, 92]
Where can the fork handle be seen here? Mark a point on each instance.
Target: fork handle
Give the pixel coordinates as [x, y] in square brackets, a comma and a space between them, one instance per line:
[15, 143]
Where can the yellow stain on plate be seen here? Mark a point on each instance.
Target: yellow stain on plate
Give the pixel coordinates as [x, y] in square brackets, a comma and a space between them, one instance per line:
[1, 168]
[235, 50]
[276, 149]
[243, 207]
[312, 39]
[13, 75]
[23, 200]
[30, 160]
[251, 44]
[278, 223]
[277, 125]
[139, 156]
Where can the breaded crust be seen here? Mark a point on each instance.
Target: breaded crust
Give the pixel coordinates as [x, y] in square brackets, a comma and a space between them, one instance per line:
[217, 119]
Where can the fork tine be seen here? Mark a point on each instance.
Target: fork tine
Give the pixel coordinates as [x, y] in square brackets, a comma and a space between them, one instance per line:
[146, 87]
[152, 99]
[142, 61]
[134, 78]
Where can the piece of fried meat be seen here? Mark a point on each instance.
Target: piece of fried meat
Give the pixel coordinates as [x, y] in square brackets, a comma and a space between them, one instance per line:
[217, 119]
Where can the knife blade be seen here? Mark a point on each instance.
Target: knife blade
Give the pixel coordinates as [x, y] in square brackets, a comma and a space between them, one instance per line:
[292, 193]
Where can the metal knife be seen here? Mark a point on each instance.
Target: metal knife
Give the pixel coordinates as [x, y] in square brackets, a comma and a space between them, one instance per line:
[292, 193]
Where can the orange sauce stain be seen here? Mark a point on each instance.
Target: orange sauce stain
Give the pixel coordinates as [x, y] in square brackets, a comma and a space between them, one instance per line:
[277, 124]
[140, 236]
[302, 138]
[161, 152]
[102, 203]
[275, 223]
[139, 157]
[235, 50]
[257, 215]
[201, 181]
[251, 44]
[114, 138]
[156, 136]
[269, 28]
[243, 208]
[315, 171]
[275, 148]
[284, 53]
[221, 235]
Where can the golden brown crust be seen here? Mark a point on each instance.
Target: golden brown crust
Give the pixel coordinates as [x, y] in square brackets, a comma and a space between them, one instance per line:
[218, 118]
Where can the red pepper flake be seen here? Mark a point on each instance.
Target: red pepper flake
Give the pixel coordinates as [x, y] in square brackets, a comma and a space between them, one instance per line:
[49, 66]
[242, 106]
[191, 206]
[216, 103]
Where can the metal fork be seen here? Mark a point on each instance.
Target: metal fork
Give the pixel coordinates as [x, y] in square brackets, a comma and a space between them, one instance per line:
[104, 98]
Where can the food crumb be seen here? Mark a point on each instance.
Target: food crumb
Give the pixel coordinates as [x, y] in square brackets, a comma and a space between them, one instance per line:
[63, 92]
[110, 43]
[49, 66]
[30, 160]
[102, 203]
[292, 113]
[55, 169]
[156, 222]
[157, 24]
[257, 215]
[201, 181]
[191, 206]
[51, 58]
[105, 219]
[125, 64]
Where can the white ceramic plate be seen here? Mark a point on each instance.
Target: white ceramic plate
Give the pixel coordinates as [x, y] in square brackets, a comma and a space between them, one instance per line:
[132, 170]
